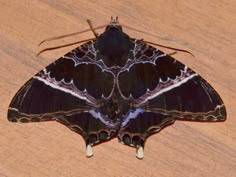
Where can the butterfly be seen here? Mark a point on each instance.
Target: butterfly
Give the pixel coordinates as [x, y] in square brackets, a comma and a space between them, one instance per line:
[116, 86]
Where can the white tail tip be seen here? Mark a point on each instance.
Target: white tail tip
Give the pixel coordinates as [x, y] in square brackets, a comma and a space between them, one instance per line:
[139, 152]
[89, 151]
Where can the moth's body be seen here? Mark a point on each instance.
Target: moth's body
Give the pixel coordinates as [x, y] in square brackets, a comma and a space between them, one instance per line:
[116, 86]
[113, 48]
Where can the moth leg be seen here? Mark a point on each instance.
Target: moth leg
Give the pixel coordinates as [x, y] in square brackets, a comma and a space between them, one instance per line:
[92, 28]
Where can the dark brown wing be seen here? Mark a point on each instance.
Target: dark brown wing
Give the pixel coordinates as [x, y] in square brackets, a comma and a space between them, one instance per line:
[69, 90]
[160, 90]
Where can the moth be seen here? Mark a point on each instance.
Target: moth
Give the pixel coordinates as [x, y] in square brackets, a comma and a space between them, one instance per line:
[116, 86]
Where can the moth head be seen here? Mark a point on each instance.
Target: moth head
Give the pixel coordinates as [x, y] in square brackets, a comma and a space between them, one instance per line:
[114, 24]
